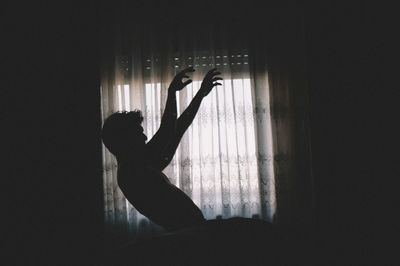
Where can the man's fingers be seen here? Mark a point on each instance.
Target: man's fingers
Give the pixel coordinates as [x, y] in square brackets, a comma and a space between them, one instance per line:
[213, 74]
[211, 70]
[186, 70]
[216, 78]
[217, 83]
[187, 82]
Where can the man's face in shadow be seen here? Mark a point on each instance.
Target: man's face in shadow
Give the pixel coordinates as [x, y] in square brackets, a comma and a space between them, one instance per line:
[136, 139]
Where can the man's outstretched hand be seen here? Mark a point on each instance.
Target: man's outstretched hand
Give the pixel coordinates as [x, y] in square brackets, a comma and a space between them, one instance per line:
[209, 82]
[177, 84]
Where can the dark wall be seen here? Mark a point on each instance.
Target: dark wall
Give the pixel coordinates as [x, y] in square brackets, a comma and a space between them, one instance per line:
[52, 81]
[352, 115]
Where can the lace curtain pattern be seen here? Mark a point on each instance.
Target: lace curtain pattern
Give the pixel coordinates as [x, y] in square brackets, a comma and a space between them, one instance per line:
[218, 162]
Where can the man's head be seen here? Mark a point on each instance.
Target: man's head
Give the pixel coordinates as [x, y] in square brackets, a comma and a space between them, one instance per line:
[122, 133]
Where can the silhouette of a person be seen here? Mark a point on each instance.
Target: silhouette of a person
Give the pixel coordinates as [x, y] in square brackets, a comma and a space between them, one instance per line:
[140, 164]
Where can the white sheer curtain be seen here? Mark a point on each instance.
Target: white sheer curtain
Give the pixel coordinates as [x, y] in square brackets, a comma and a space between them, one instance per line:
[217, 161]
[248, 151]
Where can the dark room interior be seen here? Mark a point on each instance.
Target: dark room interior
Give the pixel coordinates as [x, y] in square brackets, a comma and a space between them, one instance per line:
[52, 56]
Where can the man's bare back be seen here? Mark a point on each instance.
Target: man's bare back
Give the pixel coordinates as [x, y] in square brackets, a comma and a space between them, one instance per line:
[152, 194]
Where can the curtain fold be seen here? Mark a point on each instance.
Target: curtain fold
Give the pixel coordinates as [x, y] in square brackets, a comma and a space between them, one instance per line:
[281, 58]
[247, 152]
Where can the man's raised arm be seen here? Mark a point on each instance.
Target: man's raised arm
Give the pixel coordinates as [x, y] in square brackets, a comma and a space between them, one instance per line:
[186, 118]
[163, 136]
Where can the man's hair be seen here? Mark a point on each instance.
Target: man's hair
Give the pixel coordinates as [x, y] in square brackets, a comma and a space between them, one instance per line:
[116, 129]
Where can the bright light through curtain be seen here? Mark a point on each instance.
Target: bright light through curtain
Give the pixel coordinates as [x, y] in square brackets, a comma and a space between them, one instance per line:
[247, 152]
[216, 163]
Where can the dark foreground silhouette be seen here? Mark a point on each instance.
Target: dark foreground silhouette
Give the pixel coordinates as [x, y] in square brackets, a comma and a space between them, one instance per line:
[234, 241]
[140, 164]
